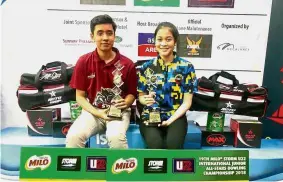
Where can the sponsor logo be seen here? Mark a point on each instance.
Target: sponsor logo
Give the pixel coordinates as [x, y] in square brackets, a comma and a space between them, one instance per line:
[155, 165]
[224, 87]
[194, 45]
[65, 129]
[168, 3]
[54, 99]
[77, 42]
[75, 105]
[104, 2]
[96, 164]
[277, 116]
[250, 135]
[50, 76]
[91, 76]
[232, 47]
[235, 26]
[228, 109]
[118, 39]
[41, 162]
[39, 123]
[69, 163]
[184, 165]
[217, 115]
[229, 104]
[216, 139]
[146, 45]
[212, 3]
[236, 89]
[178, 79]
[52, 94]
[128, 165]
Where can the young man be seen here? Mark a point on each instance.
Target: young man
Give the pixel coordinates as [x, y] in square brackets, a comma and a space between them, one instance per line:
[103, 79]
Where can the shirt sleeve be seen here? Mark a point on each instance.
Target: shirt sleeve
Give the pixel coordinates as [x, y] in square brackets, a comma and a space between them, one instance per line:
[78, 80]
[142, 86]
[132, 81]
[191, 84]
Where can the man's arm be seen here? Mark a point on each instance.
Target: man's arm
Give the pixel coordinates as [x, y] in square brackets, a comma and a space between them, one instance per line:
[125, 103]
[83, 102]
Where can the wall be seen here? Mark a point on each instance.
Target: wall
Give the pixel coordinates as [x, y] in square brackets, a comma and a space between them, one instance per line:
[273, 74]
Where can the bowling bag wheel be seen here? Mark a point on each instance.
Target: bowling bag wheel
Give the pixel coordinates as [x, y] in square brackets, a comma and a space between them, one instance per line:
[240, 99]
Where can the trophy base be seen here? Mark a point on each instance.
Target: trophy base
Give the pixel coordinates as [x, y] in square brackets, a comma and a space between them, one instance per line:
[152, 124]
[114, 112]
[154, 119]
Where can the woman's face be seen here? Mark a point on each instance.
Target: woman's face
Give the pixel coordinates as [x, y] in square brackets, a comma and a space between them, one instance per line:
[164, 42]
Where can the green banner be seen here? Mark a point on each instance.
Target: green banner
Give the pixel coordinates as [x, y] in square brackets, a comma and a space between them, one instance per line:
[168, 3]
[177, 165]
[62, 163]
[133, 165]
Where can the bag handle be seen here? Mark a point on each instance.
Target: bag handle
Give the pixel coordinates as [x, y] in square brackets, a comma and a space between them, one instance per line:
[64, 76]
[226, 75]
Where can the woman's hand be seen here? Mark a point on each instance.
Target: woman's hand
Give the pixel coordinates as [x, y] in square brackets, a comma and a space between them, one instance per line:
[165, 123]
[147, 100]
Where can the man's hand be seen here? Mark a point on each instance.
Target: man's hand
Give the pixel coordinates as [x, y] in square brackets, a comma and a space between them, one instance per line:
[121, 104]
[104, 116]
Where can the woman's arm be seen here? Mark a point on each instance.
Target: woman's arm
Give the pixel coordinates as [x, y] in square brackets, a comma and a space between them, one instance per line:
[184, 107]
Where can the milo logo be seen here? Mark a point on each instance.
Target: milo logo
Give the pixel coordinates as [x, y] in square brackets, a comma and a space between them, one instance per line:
[75, 105]
[217, 115]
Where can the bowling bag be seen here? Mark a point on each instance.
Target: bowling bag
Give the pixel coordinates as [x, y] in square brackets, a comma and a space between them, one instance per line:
[50, 74]
[235, 98]
[48, 87]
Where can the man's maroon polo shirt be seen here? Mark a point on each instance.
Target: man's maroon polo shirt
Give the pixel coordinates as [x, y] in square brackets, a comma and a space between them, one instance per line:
[93, 76]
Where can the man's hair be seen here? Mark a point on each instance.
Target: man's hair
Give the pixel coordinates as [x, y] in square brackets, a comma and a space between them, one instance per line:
[172, 28]
[102, 19]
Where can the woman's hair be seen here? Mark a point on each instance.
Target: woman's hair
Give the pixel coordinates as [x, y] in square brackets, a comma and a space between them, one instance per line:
[171, 27]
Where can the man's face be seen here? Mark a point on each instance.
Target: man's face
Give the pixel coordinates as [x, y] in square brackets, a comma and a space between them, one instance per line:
[103, 36]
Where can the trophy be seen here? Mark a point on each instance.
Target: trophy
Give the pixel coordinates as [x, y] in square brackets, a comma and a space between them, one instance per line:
[154, 109]
[113, 111]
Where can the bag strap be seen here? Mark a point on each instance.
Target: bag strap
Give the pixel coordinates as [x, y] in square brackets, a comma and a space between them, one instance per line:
[226, 75]
[246, 92]
[64, 76]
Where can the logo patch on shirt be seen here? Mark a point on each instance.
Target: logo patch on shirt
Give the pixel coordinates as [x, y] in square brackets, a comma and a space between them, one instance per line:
[91, 76]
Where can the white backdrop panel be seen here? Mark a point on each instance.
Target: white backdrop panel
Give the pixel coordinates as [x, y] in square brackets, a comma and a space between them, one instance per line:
[36, 32]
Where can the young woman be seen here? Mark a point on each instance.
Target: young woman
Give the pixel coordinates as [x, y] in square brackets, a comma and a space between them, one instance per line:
[166, 85]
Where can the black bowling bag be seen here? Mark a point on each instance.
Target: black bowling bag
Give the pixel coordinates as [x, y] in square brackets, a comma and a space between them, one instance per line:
[236, 98]
[48, 87]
